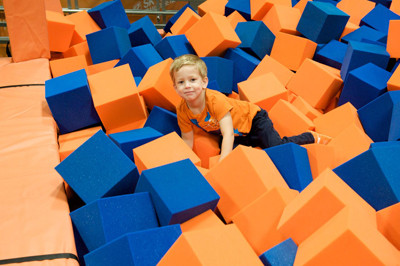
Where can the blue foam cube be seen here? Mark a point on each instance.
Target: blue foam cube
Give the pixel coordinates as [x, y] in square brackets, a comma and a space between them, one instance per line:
[104, 220]
[379, 17]
[377, 116]
[383, 144]
[98, 168]
[374, 175]
[163, 120]
[145, 247]
[140, 59]
[385, 3]
[363, 85]
[108, 44]
[174, 46]
[322, 22]
[256, 39]
[282, 254]
[333, 2]
[220, 70]
[70, 101]
[292, 162]
[361, 53]
[143, 31]
[363, 33]
[128, 140]
[178, 190]
[394, 131]
[174, 18]
[109, 14]
[241, 6]
[331, 54]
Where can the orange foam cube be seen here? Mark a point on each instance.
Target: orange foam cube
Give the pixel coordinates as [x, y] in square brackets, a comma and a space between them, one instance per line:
[356, 9]
[202, 221]
[282, 18]
[53, 5]
[350, 27]
[213, 42]
[394, 81]
[96, 68]
[60, 31]
[212, 246]
[84, 25]
[393, 39]
[117, 100]
[258, 221]
[78, 134]
[395, 6]
[67, 65]
[79, 49]
[215, 6]
[288, 120]
[264, 90]
[67, 147]
[301, 5]
[163, 150]
[234, 18]
[157, 88]
[315, 83]
[321, 200]
[269, 64]
[291, 50]
[306, 108]
[347, 239]
[320, 157]
[333, 122]
[388, 225]
[237, 192]
[258, 8]
[205, 146]
[185, 21]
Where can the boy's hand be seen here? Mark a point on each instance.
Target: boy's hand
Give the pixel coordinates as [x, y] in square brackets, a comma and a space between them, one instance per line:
[188, 138]
[226, 126]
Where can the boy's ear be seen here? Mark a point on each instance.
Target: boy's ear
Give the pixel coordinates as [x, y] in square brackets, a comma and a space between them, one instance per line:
[205, 81]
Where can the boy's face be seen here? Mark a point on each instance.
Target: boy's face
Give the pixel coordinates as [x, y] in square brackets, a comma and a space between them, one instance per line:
[189, 84]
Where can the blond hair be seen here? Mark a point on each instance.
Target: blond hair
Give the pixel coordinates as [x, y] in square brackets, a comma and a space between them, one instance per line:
[188, 59]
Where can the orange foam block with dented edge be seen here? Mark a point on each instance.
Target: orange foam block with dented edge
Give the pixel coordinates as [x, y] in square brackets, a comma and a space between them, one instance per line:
[67, 65]
[215, 6]
[269, 64]
[202, 221]
[315, 83]
[288, 120]
[291, 50]
[347, 239]
[258, 221]
[164, 150]
[185, 21]
[351, 142]
[235, 17]
[213, 42]
[84, 25]
[394, 80]
[212, 246]
[99, 67]
[320, 157]
[205, 145]
[241, 177]
[117, 100]
[322, 199]
[258, 8]
[388, 223]
[393, 39]
[333, 122]
[282, 18]
[356, 9]
[264, 90]
[79, 49]
[306, 108]
[157, 88]
[60, 31]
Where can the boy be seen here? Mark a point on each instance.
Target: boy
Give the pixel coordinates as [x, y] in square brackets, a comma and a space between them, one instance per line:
[238, 122]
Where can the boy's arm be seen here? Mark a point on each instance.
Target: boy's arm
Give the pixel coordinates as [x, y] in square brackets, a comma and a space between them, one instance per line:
[188, 138]
[226, 126]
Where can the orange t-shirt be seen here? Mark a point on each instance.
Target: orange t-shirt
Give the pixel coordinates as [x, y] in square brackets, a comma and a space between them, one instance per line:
[217, 106]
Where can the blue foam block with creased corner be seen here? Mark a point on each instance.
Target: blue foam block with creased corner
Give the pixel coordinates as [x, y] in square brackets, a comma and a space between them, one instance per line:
[292, 162]
[365, 32]
[243, 7]
[322, 22]
[128, 140]
[378, 18]
[178, 190]
[163, 121]
[174, 18]
[221, 70]
[363, 85]
[256, 38]
[109, 14]
[361, 53]
[331, 54]
[106, 219]
[376, 116]
[374, 175]
[282, 254]
[98, 168]
[243, 65]
[143, 31]
[383, 144]
[140, 59]
[70, 101]
[108, 44]
[174, 46]
[145, 247]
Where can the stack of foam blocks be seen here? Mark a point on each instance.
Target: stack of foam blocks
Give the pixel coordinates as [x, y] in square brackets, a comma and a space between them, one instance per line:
[146, 198]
